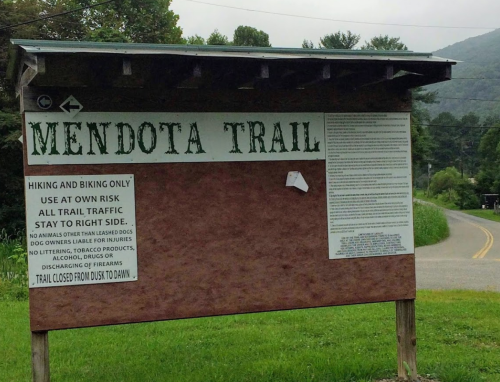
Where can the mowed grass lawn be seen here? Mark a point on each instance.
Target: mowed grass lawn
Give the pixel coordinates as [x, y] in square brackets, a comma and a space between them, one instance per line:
[458, 340]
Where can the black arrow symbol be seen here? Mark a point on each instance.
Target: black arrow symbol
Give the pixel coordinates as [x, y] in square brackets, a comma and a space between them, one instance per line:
[68, 107]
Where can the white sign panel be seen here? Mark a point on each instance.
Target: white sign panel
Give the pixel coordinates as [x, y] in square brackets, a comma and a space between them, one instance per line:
[93, 138]
[368, 164]
[81, 229]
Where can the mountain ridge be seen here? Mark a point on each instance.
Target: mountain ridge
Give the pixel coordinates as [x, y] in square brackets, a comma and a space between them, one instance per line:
[477, 76]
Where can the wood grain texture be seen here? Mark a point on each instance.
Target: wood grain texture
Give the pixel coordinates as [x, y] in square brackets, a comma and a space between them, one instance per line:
[40, 356]
[327, 100]
[170, 71]
[223, 238]
[407, 339]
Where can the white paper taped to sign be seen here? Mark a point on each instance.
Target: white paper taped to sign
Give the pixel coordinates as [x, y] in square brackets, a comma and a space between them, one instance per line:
[295, 179]
[369, 184]
[80, 230]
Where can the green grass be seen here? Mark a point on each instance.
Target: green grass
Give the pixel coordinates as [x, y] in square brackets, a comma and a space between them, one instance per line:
[7, 246]
[13, 267]
[430, 225]
[352, 343]
[420, 194]
[485, 214]
[458, 340]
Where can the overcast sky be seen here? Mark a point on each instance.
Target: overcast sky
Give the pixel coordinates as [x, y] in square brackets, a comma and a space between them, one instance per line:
[286, 31]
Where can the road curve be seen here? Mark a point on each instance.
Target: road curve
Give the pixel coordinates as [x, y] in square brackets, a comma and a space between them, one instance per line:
[468, 259]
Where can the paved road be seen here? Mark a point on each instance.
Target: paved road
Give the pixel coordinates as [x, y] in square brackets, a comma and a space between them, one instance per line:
[468, 259]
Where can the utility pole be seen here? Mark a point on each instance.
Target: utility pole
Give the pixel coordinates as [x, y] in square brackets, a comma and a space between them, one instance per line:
[429, 166]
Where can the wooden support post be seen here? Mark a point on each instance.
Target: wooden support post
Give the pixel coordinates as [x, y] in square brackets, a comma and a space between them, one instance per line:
[197, 71]
[389, 72]
[326, 72]
[40, 65]
[447, 72]
[40, 356]
[407, 339]
[127, 67]
[264, 71]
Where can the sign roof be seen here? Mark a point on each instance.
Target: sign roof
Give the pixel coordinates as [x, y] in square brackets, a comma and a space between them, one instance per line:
[42, 46]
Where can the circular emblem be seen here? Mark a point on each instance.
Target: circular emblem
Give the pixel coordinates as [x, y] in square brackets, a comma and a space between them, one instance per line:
[44, 102]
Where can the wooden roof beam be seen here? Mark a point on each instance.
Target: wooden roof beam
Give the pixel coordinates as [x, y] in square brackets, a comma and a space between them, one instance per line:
[262, 81]
[413, 80]
[362, 76]
[30, 66]
[387, 74]
[289, 79]
[174, 73]
[195, 77]
[324, 74]
[242, 74]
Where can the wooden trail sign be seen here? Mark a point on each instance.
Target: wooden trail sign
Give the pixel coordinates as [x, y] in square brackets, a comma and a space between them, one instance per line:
[156, 190]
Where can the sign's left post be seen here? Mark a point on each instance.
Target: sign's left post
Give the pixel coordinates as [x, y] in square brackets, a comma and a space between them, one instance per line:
[40, 356]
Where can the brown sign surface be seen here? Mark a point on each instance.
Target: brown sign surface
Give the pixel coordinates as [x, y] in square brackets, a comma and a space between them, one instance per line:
[223, 238]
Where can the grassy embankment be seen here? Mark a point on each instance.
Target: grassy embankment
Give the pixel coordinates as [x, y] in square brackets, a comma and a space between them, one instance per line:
[485, 214]
[429, 225]
[422, 195]
[13, 268]
[351, 343]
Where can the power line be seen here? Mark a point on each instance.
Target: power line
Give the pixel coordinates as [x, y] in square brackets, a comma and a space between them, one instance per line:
[474, 78]
[54, 15]
[336, 20]
[470, 99]
[459, 127]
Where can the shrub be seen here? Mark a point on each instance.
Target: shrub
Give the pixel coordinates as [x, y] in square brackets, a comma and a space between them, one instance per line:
[430, 224]
[13, 267]
[466, 195]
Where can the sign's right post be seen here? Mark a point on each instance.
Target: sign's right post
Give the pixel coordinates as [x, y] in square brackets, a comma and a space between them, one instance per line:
[407, 339]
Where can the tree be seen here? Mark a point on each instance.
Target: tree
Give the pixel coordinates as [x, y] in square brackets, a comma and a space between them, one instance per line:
[445, 181]
[307, 44]
[453, 188]
[248, 36]
[384, 43]
[195, 40]
[468, 141]
[466, 195]
[420, 140]
[339, 40]
[148, 21]
[11, 174]
[444, 131]
[107, 34]
[11, 155]
[457, 142]
[217, 38]
[488, 178]
[68, 26]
